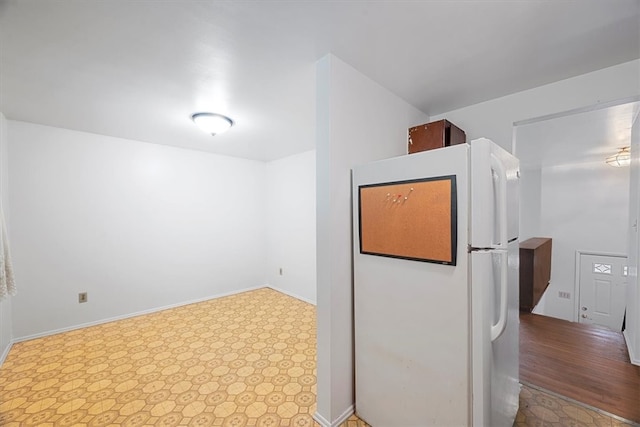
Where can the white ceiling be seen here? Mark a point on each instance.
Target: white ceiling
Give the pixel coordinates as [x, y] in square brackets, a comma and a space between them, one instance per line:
[139, 69]
[582, 138]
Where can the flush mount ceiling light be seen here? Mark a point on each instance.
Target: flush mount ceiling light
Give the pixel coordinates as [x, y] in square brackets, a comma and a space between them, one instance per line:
[212, 123]
[621, 158]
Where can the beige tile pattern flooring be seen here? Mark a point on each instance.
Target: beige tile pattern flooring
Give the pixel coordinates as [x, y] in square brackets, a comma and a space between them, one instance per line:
[246, 359]
[544, 409]
[243, 360]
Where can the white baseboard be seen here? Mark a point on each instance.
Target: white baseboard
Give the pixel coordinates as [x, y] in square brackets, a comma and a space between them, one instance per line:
[5, 353]
[342, 418]
[143, 312]
[321, 420]
[138, 313]
[635, 358]
[345, 415]
[291, 294]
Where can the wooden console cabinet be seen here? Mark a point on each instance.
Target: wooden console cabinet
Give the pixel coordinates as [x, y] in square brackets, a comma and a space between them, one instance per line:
[535, 270]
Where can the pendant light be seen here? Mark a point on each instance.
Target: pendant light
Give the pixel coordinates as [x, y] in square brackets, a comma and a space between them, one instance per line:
[620, 159]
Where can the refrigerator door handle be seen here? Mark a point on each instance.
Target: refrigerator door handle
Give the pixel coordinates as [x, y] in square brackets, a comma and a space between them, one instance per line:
[501, 209]
[501, 202]
[498, 328]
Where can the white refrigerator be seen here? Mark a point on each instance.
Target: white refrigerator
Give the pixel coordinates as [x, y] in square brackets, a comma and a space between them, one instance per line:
[436, 305]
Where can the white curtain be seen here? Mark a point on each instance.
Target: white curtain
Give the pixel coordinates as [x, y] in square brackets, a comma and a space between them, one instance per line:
[7, 282]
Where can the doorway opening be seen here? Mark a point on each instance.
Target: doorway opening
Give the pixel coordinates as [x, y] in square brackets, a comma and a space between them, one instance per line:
[571, 195]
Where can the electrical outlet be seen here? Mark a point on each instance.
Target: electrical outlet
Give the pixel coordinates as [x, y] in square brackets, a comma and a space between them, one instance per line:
[564, 295]
[281, 271]
[82, 297]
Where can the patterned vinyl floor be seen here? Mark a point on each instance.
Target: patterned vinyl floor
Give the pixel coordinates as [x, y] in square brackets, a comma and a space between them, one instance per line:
[247, 359]
[545, 409]
[243, 360]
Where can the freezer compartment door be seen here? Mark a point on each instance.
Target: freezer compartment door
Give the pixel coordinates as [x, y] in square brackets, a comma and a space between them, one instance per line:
[495, 365]
[494, 195]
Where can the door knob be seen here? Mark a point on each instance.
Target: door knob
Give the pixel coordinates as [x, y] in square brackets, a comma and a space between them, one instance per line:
[584, 316]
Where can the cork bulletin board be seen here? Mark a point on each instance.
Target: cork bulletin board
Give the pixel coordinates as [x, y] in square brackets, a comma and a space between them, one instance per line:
[414, 219]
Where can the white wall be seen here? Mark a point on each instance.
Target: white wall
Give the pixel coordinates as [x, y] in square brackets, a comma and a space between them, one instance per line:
[5, 305]
[138, 226]
[357, 121]
[291, 225]
[494, 119]
[530, 201]
[583, 207]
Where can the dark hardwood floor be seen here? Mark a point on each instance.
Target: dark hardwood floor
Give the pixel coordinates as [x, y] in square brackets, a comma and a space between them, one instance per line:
[587, 363]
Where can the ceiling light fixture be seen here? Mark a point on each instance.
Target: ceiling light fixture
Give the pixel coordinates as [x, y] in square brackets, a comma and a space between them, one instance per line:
[212, 123]
[621, 158]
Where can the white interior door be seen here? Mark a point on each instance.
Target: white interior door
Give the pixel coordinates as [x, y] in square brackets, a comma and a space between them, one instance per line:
[603, 281]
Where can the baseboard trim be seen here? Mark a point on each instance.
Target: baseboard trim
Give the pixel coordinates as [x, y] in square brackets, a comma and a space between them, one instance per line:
[635, 358]
[291, 294]
[321, 420]
[345, 415]
[336, 423]
[135, 314]
[5, 353]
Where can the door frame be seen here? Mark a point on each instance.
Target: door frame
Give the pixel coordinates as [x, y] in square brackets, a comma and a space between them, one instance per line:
[576, 288]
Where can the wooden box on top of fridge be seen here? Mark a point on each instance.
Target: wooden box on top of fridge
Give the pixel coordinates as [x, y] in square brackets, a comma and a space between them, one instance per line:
[434, 135]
